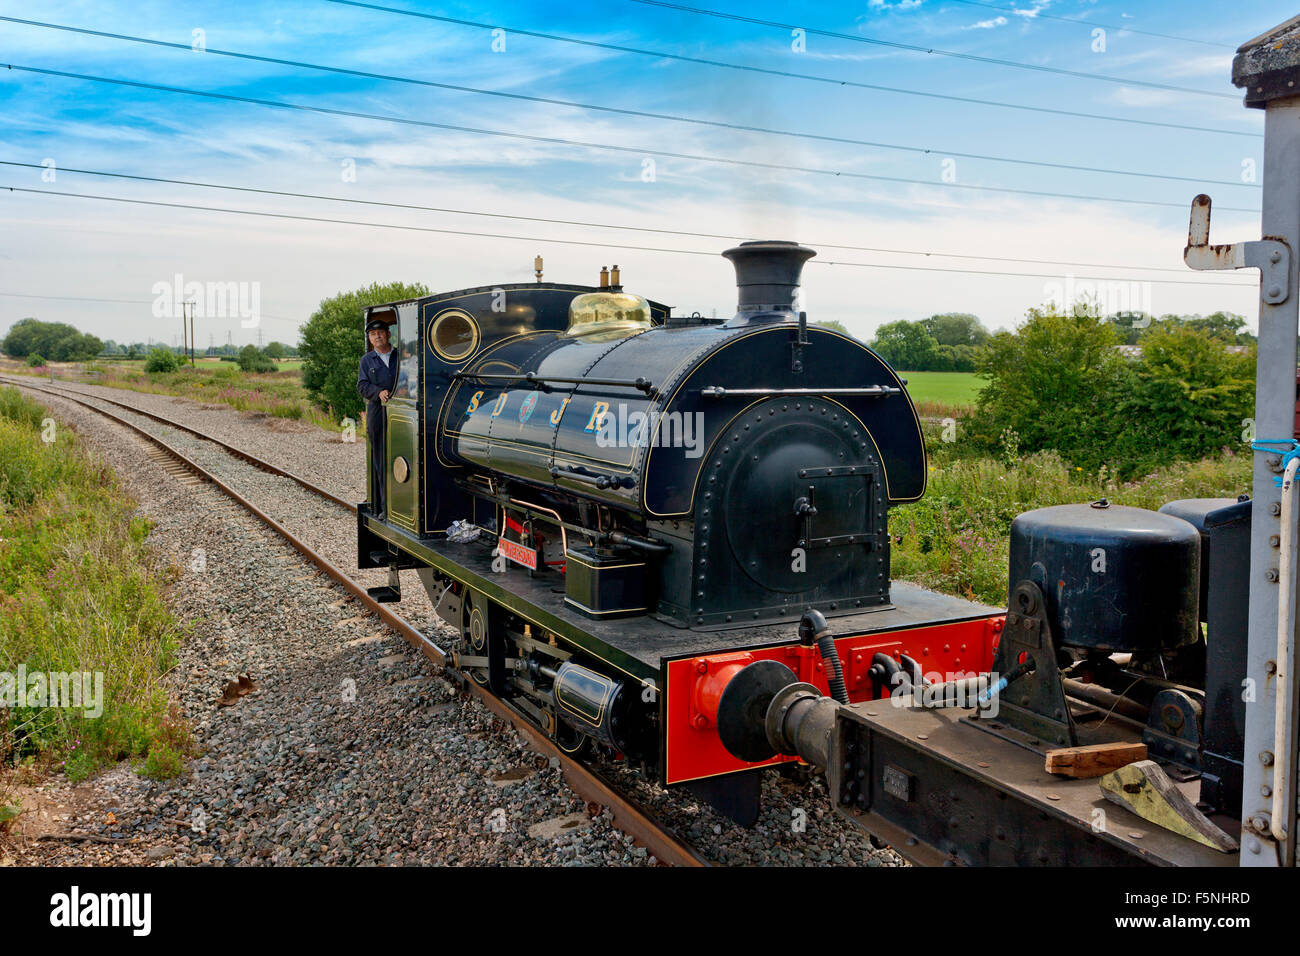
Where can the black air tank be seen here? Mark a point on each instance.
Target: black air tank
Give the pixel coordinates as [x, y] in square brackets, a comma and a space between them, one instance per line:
[1115, 578]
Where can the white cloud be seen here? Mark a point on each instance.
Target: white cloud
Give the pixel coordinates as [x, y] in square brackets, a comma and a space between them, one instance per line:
[900, 5]
[987, 24]
[1030, 13]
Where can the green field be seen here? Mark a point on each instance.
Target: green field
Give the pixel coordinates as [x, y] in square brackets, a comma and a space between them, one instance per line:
[943, 388]
[200, 361]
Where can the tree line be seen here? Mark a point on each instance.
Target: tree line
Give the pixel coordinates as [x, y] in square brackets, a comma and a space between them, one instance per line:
[30, 338]
[957, 341]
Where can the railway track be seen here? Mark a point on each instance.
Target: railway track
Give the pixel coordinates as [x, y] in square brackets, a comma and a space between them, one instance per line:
[584, 781]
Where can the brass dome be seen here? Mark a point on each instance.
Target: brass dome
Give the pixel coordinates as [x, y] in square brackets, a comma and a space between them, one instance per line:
[608, 314]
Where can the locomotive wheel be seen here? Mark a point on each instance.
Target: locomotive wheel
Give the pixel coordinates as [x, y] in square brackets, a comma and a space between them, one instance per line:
[474, 631]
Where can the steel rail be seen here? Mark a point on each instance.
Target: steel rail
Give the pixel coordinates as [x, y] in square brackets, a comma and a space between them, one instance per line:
[237, 452]
[586, 783]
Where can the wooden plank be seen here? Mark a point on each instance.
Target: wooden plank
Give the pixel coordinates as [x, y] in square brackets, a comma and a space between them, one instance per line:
[1147, 790]
[1093, 760]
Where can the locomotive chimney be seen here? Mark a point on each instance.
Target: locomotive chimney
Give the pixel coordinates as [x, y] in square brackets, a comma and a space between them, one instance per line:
[767, 278]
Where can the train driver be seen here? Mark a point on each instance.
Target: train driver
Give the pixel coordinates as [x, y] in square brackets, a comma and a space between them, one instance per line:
[375, 383]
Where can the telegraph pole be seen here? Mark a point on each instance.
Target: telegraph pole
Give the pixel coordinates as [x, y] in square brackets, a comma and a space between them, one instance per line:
[191, 310]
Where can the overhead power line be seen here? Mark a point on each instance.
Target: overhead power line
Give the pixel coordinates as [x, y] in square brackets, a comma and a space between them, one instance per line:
[790, 74]
[83, 298]
[575, 242]
[727, 237]
[934, 51]
[73, 298]
[1039, 15]
[644, 114]
[556, 140]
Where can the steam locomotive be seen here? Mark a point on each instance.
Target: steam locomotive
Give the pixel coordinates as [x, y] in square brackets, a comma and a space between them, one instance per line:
[619, 509]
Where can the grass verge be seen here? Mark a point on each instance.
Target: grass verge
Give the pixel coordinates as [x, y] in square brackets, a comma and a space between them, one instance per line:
[957, 538]
[79, 596]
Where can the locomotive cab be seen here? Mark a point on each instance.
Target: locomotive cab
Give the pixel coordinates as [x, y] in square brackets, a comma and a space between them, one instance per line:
[437, 337]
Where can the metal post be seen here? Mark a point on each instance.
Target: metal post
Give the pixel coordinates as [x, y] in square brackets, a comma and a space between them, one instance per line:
[1269, 69]
[190, 306]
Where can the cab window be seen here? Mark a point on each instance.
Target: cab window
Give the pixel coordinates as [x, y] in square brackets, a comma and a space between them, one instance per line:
[408, 353]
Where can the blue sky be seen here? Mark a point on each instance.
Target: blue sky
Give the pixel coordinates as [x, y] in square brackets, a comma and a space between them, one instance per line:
[94, 249]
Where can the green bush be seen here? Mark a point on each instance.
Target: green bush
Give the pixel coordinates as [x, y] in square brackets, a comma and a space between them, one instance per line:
[253, 359]
[161, 360]
[1059, 383]
[35, 361]
[1190, 398]
[1053, 382]
[58, 340]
